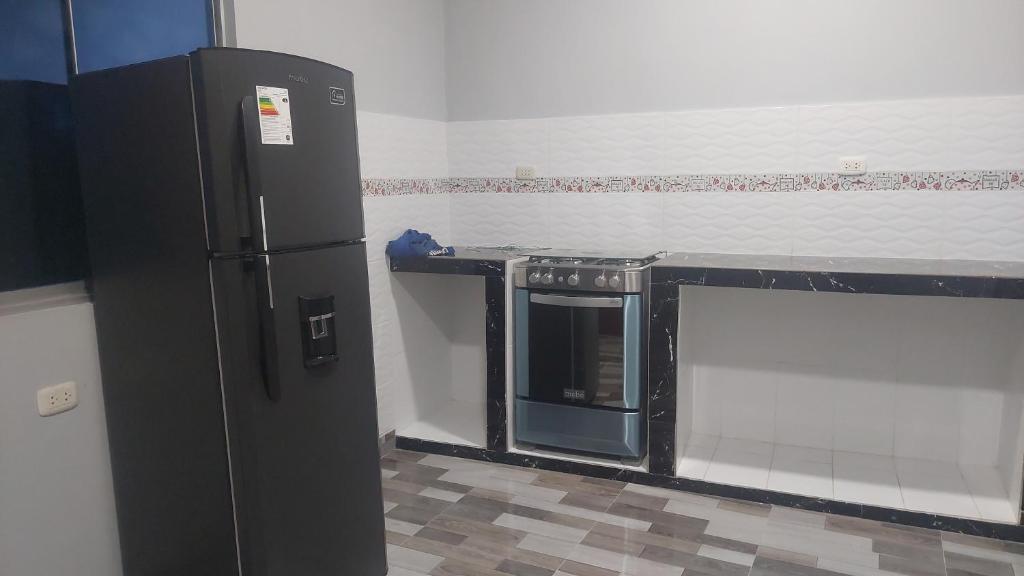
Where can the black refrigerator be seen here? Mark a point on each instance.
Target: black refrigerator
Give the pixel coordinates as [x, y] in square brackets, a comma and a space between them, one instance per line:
[225, 228]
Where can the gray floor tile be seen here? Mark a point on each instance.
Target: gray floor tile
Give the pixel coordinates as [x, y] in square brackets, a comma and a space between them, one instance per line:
[452, 517]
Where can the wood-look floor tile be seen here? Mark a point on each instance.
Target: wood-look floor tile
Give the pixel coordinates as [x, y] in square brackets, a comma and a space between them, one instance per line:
[978, 542]
[451, 567]
[632, 565]
[795, 516]
[517, 552]
[752, 508]
[578, 569]
[572, 483]
[963, 565]
[882, 531]
[669, 524]
[521, 569]
[424, 502]
[927, 552]
[606, 482]
[547, 546]
[916, 566]
[764, 566]
[476, 529]
[483, 519]
[681, 531]
[463, 554]
[491, 494]
[642, 501]
[646, 537]
[541, 527]
[570, 520]
[449, 486]
[440, 535]
[693, 562]
[412, 559]
[411, 514]
[728, 544]
[588, 501]
[400, 483]
[405, 455]
[606, 542]
[413, 469]
[395, 538]
[787, 556]
[438, 494]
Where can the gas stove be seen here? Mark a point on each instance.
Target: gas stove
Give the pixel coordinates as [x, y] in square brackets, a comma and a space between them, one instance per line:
[580, 270]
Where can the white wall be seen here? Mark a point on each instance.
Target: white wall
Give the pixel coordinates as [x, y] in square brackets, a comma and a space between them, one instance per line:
[395, 48]
[56, 492]
[944, 135]
[540, 58]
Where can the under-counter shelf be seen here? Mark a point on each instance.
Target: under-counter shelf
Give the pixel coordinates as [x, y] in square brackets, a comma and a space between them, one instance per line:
[843, 380]
[451, 311]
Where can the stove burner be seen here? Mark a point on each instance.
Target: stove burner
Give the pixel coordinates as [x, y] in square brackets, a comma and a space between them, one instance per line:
[584, 271]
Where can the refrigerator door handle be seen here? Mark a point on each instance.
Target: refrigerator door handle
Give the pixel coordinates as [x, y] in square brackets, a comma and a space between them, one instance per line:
[254, 201]
[268, 328]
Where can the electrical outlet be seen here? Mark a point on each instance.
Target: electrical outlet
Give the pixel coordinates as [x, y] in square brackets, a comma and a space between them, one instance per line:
[526, 173]
[57, 398]
[852, 165]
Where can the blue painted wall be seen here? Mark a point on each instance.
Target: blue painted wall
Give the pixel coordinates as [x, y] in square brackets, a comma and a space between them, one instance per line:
[112, 33]
[32, 41]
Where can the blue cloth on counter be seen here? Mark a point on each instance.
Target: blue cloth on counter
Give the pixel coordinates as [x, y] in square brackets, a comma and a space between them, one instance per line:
[416, 243]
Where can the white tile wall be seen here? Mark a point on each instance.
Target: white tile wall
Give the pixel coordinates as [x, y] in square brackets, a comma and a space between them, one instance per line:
[397, 147]
[767, 368]
[606, 145]
[400, 147]
[494, 148]
[935, 134]
[731, 141]
[944, 134]
[967, 133]
[987, 131]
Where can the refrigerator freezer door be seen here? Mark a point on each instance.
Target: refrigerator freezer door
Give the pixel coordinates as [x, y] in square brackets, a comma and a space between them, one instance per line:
[306, 462]
[291, 166]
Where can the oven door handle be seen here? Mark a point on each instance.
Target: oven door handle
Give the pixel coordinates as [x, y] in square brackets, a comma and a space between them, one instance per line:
[577, 301]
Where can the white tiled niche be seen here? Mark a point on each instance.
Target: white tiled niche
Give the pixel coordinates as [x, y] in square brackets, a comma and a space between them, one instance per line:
[896, 401]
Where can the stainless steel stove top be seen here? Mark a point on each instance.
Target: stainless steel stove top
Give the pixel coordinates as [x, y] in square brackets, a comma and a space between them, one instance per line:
[583, 270]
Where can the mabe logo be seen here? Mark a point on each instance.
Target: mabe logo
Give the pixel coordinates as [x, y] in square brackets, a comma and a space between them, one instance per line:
[337, 96]
[299, 78]
[573, 394]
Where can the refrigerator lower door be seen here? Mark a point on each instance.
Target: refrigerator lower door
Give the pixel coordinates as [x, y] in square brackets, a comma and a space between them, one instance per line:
[305, 461]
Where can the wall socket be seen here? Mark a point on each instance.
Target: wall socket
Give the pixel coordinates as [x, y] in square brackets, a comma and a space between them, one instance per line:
[852, 165]
[57, 398]
[526, 173]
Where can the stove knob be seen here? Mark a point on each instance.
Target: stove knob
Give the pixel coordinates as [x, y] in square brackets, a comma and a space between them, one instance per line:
[574, 279]
[534, 277]
[614, 281]
[600, 281]
[547, 278]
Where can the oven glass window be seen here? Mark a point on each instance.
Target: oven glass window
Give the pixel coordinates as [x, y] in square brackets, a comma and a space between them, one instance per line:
[576, 354]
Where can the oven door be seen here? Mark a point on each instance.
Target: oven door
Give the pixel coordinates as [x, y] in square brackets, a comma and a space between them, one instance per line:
[578, 349]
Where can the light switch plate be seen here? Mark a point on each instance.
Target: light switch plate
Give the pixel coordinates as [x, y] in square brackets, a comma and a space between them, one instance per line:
[57, 398]
[852, 165]
[526, 173]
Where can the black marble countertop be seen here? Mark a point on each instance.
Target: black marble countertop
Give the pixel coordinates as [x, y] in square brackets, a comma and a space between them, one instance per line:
[468, 260]
[901, 276]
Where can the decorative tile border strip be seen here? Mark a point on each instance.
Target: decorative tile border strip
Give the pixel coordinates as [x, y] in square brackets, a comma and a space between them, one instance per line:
[794, 182]
[404, 186]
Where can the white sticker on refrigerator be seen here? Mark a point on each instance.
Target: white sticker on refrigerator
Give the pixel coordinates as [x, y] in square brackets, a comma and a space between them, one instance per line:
[275, 115]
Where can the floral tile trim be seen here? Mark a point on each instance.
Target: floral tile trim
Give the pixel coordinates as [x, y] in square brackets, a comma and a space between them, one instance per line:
[808, 182]
[404, 186]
